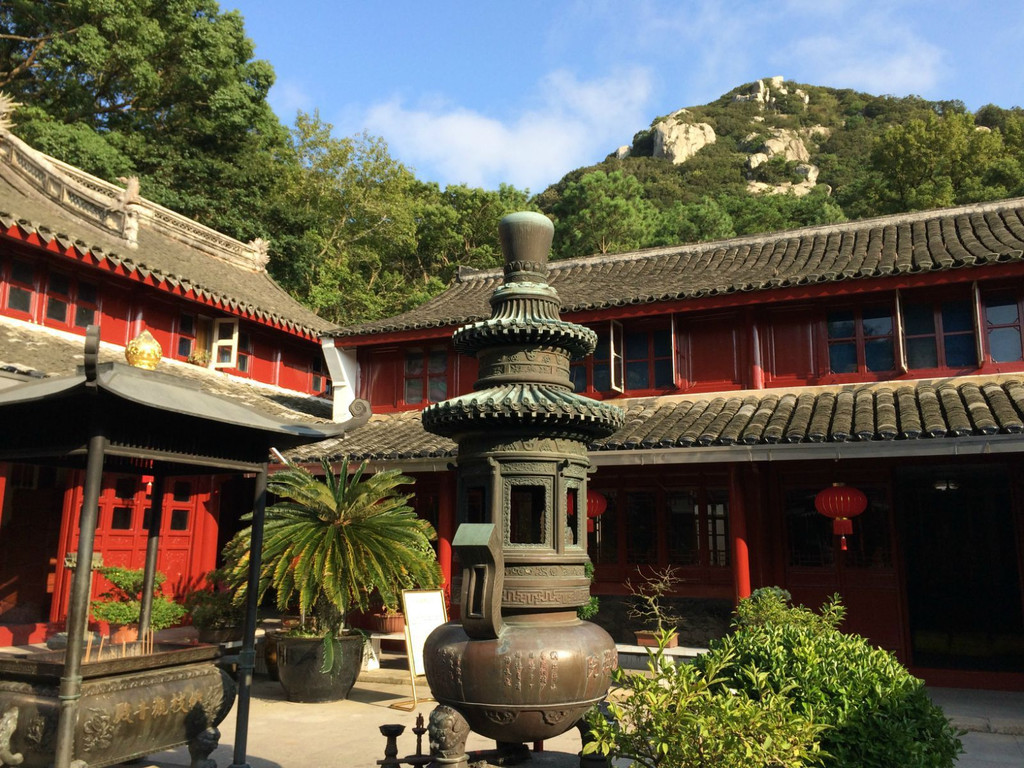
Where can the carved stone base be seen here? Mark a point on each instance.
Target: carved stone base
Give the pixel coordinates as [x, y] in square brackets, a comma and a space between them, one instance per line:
[201, 747]
[448, 732]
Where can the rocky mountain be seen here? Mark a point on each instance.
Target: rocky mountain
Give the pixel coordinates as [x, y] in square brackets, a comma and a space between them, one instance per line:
[742, 160]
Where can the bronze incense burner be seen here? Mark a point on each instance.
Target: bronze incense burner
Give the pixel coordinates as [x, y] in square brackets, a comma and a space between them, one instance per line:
[521, 666]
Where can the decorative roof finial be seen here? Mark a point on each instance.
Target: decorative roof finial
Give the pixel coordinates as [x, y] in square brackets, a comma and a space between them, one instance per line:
[144, 351]
[7, 107]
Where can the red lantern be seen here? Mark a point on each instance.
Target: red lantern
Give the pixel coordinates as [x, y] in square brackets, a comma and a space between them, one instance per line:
[840, 502]
[596, 505]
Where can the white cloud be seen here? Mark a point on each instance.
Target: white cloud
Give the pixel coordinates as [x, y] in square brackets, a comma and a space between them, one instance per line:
[287, 97]
[570, 123]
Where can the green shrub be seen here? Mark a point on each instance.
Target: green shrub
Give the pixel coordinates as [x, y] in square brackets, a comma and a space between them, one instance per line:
[681, 716]
[122, 603]
[878, 713]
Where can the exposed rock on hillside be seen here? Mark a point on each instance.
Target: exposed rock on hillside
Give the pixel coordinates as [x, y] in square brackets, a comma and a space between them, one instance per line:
[677, 140]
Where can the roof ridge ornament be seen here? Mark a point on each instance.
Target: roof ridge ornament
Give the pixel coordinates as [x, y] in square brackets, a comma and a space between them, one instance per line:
[92, 352]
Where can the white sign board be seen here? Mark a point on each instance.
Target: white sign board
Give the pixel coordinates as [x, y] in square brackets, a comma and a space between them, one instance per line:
[424, 610]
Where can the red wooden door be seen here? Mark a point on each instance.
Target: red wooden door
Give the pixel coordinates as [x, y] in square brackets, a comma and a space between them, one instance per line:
[122, 531]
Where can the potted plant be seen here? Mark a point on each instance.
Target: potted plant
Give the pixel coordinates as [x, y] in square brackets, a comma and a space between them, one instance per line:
[214, 611]
[647, 606]
[330, 545]
[121, 605]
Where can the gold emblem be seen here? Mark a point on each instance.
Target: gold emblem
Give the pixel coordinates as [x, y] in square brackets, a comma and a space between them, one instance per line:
[143, 351]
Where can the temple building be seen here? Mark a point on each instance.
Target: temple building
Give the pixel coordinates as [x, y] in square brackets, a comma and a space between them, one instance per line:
[77, 251]
[885, 354]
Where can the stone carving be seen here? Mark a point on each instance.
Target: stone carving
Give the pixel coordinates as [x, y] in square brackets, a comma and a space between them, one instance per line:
[448, 732]
[200, 748]
[98, 732]
[8, 724]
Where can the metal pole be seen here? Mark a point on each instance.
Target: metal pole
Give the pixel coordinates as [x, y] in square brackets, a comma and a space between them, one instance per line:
[78, 611]
[152, 548]
[247, 657]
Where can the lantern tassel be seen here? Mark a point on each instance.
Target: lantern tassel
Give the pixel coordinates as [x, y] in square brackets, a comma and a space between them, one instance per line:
[842, 543]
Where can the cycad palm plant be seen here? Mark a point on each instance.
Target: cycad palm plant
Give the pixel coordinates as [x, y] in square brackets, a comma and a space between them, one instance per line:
[331, 544]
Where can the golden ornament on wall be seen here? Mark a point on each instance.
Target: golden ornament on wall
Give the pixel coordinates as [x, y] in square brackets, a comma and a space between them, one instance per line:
[143, 351]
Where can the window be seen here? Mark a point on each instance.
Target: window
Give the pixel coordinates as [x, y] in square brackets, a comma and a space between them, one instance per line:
[58, 298]
[1003, 327]
[244, 352]
[940, 334]
[648, 357]
[186, 336]
[319, 381]
[86, 305]
[225, 343]
[426, 375]
[20, 287]
[861, 340]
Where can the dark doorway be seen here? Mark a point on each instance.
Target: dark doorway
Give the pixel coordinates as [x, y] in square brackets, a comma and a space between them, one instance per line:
[963, 580]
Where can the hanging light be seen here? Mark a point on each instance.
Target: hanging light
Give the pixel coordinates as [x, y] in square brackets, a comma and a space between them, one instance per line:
[841, 503]
[596, 505]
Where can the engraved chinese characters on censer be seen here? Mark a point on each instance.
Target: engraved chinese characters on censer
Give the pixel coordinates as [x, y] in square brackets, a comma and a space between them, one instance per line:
[520, 666]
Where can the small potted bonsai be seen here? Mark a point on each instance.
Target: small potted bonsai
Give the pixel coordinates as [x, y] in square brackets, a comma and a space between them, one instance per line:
[121, 605]
[331, 544]
[214, 611]
[658, 620]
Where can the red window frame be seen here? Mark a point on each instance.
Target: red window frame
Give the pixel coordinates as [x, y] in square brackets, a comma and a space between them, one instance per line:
[70, 302]
[941, 335]
[426, 370]
[1002, 324]
[857, 327]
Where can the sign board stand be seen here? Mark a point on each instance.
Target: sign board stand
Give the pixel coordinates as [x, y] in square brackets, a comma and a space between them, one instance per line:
[424, 610]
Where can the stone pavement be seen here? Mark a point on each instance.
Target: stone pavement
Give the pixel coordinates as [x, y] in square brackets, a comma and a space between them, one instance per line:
[346, 734]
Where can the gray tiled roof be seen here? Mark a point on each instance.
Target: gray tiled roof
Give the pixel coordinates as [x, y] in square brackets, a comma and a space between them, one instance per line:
[928, 241]
[165, 259]
[30, 350]
[911, 411]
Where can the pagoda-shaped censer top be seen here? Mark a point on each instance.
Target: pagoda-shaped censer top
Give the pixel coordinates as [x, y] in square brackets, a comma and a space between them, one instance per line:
[521, 666]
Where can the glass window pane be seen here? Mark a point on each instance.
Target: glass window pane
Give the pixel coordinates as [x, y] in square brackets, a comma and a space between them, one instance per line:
[60, 285]
[718, 527]
[877, 321]
[601, 350]
[636, 346]
[84, 316]
[879, 356]
[683, 529]
[842, 358]
[603, 540]
[56, 309]
[960, 351]
[437, 389]
[179, 520]
[1004, 345]
[662, 343]
[918, 319]
[184, 347]
[602, 377]
[1001, 309]
[921, 353]
[225, 331]
[187, 325]
[643, 534]
[663, 373]
[413, 363]
[223, 354]
[637, 375]
[21, 272]
[19, 299]
[87, 293]
[956, 316]
[438, 361]
[121, 519]
[413, 391]
[242, 363]
[841, 325]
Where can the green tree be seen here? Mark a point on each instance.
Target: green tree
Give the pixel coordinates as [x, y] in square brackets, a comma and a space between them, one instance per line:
[603, 213]
[343, 213]
[167, 90]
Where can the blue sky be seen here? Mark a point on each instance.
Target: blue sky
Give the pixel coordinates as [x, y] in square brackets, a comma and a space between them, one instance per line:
[485, 92]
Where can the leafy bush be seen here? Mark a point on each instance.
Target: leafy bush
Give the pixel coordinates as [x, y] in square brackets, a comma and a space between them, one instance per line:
[878, 713]
[215, 607]
[681, 716]
[122, 603]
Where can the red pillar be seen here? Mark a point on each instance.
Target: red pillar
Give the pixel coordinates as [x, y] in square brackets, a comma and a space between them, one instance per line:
[738, 531]
[446, 528]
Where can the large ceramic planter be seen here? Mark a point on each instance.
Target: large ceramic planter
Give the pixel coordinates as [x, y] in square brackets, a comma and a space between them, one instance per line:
[300, 659]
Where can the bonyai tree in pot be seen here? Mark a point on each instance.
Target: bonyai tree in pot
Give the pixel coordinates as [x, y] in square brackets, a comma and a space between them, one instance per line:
[330, 545]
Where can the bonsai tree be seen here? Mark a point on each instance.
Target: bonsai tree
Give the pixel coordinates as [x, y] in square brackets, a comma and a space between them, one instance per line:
[332, 544]
[647, 604]
[122, 603]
